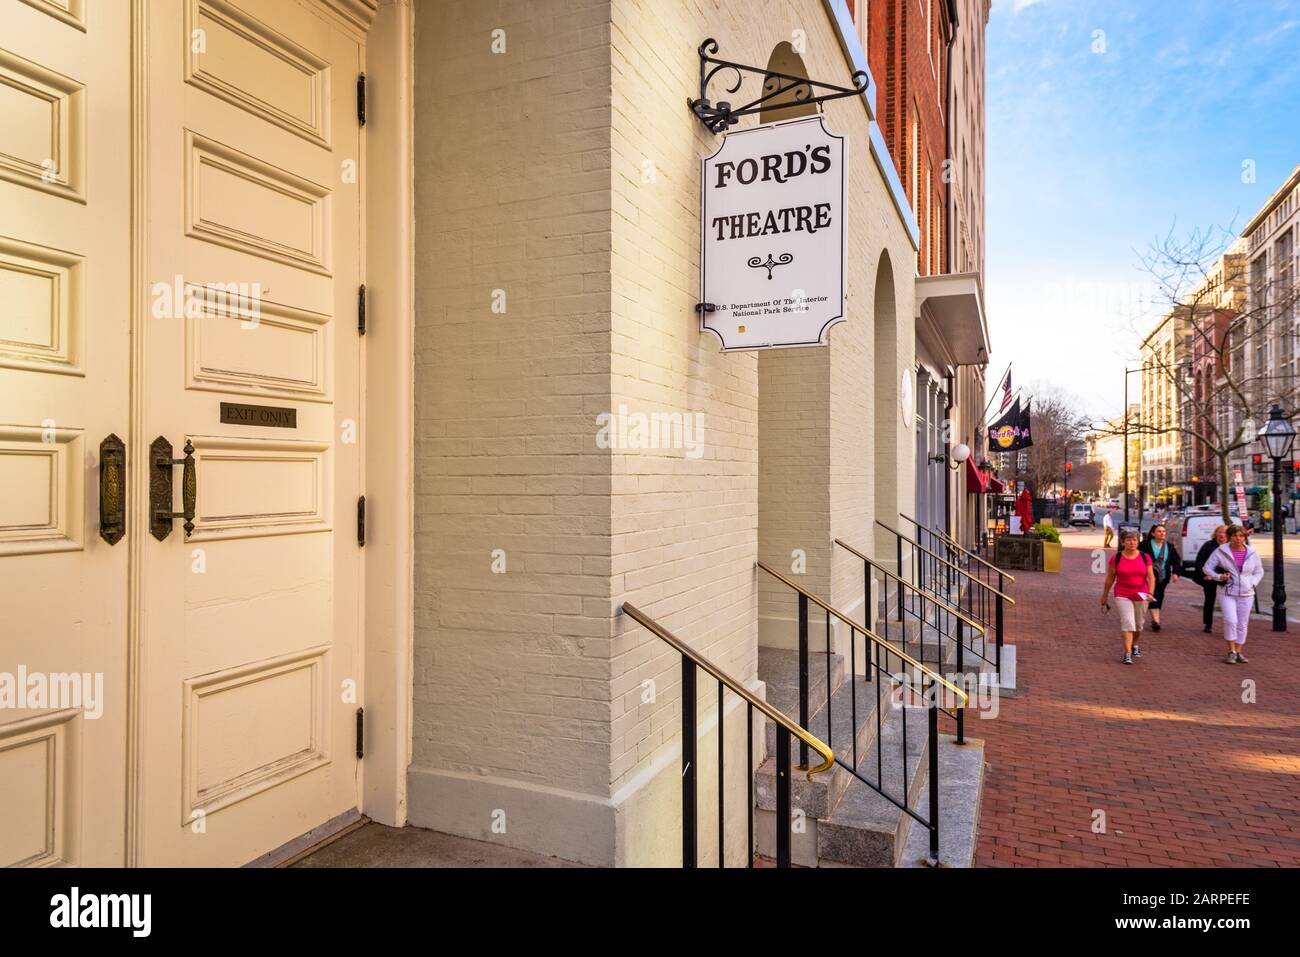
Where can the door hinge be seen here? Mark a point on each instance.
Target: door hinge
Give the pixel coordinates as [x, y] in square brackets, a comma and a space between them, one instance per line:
[361, 736]
[361, 310]
[361, 99]
[361, 521]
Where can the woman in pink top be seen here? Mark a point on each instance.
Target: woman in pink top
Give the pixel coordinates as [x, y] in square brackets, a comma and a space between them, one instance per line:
[1134, 578]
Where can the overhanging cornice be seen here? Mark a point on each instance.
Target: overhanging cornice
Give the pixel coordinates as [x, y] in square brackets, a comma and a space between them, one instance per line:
[950, 317]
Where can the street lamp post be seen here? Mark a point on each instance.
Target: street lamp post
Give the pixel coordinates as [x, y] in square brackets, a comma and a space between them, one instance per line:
[1277, 436]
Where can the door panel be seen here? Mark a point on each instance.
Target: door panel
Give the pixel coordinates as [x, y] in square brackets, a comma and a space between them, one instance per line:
[64, 372]
[253, 656]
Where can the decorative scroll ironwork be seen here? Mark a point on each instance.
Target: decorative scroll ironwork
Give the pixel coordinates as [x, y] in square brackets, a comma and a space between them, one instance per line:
[718, 116]
[783, 259]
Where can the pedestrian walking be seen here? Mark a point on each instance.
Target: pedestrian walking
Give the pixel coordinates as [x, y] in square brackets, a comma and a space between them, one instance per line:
[1132, 573]
[1238, 567]
[1108, 527]
[1167, 563]
[1209, 585]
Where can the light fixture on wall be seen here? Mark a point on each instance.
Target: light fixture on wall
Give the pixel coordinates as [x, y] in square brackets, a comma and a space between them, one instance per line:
[959, 454]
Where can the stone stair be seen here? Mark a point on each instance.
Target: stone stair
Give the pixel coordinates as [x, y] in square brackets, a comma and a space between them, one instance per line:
[840, 820]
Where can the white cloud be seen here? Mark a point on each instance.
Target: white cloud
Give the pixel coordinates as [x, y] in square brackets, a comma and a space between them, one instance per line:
[1024, 5]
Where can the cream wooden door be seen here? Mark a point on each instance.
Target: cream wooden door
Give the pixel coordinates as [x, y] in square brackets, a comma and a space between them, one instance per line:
[252, 651]
[64, 369]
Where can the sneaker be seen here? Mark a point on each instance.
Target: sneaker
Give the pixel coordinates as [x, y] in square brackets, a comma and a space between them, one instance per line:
[1208, 630]
[1232, 658]
[1242, 659]
[1137, 652]
[1128, 659]
[1155, 626]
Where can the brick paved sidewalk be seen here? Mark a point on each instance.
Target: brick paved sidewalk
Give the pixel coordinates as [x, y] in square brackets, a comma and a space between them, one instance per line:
[1186, 773]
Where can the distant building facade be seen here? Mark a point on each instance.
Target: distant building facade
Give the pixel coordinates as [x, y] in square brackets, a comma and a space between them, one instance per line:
[1266, 351]
[1105, 447]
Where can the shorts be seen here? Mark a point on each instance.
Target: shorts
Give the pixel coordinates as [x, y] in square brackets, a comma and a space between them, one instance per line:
[1131, 613]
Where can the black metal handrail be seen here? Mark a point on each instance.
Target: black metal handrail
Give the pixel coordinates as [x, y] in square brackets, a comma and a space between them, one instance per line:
[984, 602]
[937, 540]
[953, 546]
[948, 622]
[932, 684]
[692, 660]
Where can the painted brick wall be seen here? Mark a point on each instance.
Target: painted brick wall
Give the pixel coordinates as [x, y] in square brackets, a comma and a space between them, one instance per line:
[574, 187]
[685, 528]
[512, 671]
[807, 413]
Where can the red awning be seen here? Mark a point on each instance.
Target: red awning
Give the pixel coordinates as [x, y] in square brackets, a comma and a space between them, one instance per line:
[996, 486]
[975, 482]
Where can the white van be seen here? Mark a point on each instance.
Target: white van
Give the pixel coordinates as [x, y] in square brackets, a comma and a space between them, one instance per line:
[1193, 530]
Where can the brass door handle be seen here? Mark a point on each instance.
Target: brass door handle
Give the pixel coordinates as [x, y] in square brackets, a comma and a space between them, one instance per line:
[161, 463]
[112, 489]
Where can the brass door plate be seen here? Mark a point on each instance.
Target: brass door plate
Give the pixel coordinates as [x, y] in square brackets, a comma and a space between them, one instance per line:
[268, 416]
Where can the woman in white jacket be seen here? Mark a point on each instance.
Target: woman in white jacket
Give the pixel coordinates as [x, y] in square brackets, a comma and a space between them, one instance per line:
[1238, 566]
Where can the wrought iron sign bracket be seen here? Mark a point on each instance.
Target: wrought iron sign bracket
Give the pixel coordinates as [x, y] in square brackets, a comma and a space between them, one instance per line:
[717, 117]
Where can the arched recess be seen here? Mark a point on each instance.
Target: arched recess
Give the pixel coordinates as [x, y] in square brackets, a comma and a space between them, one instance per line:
[792, 103]
[887, 375]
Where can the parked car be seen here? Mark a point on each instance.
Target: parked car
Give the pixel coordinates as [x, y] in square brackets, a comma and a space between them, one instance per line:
[1081, 514]
[1113, 503]
[1194, 529]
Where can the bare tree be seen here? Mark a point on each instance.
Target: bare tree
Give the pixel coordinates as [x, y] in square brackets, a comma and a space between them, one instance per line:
[1087, 477]
[1241, 350]
[1057, 425]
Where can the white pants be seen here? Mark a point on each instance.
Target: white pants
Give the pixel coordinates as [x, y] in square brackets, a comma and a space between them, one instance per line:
[1236, 616]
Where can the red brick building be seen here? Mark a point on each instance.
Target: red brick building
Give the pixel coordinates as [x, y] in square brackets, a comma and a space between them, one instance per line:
[1207, 370]
[907, 49]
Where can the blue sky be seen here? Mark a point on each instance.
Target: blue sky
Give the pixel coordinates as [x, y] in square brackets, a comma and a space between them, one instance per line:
[1098, 143]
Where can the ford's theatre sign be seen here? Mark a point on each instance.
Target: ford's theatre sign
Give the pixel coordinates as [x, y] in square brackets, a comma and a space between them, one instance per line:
[772, 226]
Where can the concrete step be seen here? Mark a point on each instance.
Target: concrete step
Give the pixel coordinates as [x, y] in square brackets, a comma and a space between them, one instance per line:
[778, 668]
[930, 647]
[866, 829]
[817, 797]
[961, 791]
[1007, 679]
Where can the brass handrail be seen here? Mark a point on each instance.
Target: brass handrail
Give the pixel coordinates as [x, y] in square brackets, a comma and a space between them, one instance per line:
[937, 558]
[807, 737]
[969, 554]
[956, 612]
[868, 632]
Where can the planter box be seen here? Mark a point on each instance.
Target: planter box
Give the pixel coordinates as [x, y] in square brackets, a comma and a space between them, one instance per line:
[1018, 552]
[1051, 556]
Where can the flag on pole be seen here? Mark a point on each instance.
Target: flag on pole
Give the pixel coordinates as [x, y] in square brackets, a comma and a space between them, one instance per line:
[1011, 432]
[1006, 393]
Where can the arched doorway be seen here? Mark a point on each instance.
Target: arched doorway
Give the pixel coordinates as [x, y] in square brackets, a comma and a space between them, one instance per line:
[790, 104]
[888, 386]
